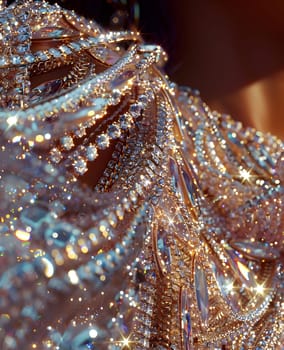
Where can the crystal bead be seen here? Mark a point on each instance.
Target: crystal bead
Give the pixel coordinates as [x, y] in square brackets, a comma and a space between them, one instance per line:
[91, 152]
[65, 49]
[3, 61]
[256, 250]
[135, 110]
[55, 155]
[67, 143]
[125, 121]
[240, 268]
[175, 178]
[143, 100]
[45, 265]
[226, 286]
[201, 291]
[16, 60]
[29, 58]
[21, 49]
[55, 53]
[103, 141]
[75, 46]
[41, 55]
[122, 79]
[163, 251]
[105, 55]
[80, 166]
[185, 319]
[114, 131]
[190, 190]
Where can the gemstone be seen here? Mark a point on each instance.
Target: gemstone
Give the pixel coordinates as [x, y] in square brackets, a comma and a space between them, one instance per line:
[135, 110]
[16, 59]
[114, 131]
[190, 191]
[75, 46]
[29, 58]
[44, 90]
[122, 79]
[175, 178]
[3, 61]
[240, 268]
[80, 166]
[55, 53]
[143, 100]
[92, 152]
[103, 141]
[67, 142]
[185, 319]
[162, 250]
[21, 49]
[23, 37]
[125, 121]
[226, 285]
[201, 291]
[55, 155]
[65, 49]
[105, 55]
[53, 33]
[257, 250]
[41, 56]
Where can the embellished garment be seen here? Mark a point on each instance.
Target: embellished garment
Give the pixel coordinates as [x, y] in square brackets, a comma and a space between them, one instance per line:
[132, 216]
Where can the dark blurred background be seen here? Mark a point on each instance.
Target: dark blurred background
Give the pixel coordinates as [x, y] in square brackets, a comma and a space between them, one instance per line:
[213, 45]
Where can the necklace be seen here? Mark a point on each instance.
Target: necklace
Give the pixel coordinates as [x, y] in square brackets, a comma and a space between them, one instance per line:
[132, 216]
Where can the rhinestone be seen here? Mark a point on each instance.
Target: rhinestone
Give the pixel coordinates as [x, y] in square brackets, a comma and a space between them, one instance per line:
[67, 143]
[3, 61]
[135, 110]
[16, 59]
[114, 131]
[55, 53]
[29, 58]
[125, 121]
[55, 155]
[103, 141]
[65, 49]
[80, 166]
[92, 152]
[201, 291]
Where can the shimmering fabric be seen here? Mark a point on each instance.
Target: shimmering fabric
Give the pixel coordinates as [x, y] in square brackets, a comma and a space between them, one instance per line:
[132, 216]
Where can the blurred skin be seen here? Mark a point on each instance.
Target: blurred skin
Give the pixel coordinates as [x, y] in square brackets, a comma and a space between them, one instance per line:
[233, 52]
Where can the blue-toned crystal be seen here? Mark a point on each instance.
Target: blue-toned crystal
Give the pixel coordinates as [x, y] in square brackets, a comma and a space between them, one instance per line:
[122, 79]
[189, 186]
[255, 250]
[185, 319]
[163, 254]
[175, 179]
[201, 291]
[226, 286]
[59, 235]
